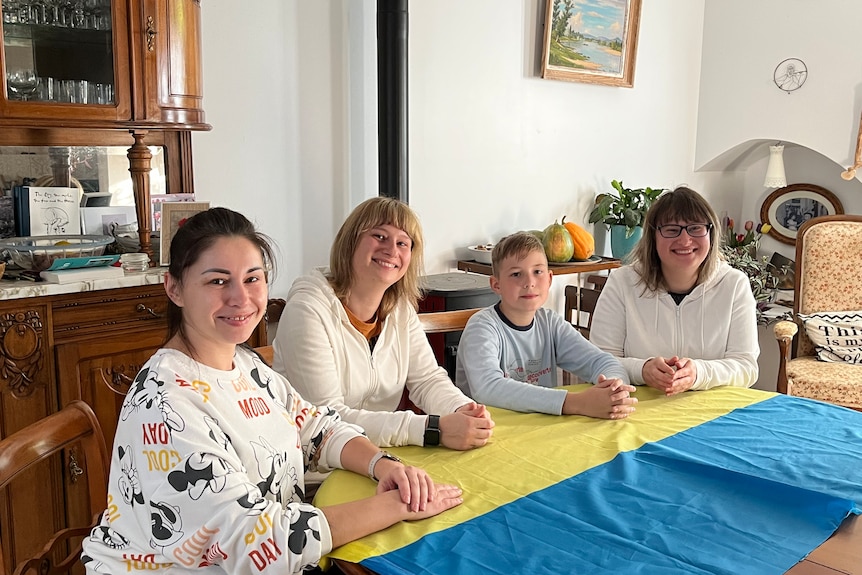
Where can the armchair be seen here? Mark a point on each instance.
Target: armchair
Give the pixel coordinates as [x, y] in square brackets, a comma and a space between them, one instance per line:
[828, 279]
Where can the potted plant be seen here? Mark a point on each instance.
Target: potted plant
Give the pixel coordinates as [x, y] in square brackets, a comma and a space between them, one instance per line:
[624, 212]
[740, 251]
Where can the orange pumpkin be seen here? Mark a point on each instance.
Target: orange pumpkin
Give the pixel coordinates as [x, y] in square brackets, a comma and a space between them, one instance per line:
[585, 245]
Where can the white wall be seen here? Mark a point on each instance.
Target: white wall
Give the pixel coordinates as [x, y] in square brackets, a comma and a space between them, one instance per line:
[744, 41]
[741, 111]
[274, 92]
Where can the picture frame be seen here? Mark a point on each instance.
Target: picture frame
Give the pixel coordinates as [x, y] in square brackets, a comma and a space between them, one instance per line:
[593, 41]
[789, 207]
[99, 220]
[173, 214]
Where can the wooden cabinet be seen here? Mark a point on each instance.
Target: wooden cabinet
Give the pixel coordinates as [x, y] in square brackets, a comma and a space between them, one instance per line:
[171, 85]
[54, 349]
[77, 73]
[138, 69]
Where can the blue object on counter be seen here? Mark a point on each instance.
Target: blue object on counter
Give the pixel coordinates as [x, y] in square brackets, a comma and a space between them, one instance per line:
[84, 262]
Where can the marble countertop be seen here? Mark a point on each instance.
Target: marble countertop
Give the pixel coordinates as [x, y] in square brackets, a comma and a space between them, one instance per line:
[16, 289]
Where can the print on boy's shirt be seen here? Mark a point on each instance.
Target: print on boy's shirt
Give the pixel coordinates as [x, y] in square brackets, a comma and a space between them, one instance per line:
[531, 373]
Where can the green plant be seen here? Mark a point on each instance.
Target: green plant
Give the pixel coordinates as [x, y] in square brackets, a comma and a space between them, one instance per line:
[762, 275]
[627, 207]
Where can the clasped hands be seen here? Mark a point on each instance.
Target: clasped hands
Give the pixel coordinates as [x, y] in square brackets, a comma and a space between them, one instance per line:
[670, 375]
[607, 399]
[469, 427]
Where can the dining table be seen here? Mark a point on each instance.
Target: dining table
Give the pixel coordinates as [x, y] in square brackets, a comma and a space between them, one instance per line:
[723, 481]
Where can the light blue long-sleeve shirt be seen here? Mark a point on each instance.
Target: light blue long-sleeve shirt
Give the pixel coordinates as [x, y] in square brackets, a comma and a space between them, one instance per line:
[504, 365]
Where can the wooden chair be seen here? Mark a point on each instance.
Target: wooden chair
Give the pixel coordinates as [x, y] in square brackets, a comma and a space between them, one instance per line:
[274, 309]
[74, 426]
[582, 301]
[446, 321]
[828, 278]
[267, 352]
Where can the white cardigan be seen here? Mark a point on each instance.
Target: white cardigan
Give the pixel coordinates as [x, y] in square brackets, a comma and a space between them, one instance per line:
[715, 325]
[330, 363]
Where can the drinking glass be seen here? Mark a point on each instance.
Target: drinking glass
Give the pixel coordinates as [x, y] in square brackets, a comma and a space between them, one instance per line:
[22, 83]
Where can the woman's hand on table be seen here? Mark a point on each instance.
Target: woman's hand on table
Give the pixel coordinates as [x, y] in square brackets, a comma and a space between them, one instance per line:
[670, 375]
[469, 427]
[445, 498]
[607, 399]
[415, 486]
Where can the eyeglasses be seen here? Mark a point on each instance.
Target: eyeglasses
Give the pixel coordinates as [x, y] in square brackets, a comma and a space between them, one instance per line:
[693, 230]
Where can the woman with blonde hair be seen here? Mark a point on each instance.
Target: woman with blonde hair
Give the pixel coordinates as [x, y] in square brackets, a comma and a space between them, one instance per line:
[351, 338]
[678, 316]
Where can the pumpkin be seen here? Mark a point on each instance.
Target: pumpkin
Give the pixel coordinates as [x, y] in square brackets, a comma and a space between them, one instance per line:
[557, 242]
[585, 245]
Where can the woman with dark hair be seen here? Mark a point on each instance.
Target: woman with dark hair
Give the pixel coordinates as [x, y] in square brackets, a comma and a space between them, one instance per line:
[209, 460]
[351, 338]
[678, 316]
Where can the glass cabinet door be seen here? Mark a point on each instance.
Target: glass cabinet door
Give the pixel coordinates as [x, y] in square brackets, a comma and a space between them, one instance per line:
[62, 59]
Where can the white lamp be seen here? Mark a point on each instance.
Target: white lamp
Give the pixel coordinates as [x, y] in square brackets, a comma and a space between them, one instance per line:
[775, 176]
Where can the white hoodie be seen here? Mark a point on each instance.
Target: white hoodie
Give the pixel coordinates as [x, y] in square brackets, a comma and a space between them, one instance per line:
[329, 362]
[715, 325]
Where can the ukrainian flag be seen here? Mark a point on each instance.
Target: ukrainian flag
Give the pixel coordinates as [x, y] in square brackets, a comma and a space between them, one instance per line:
[724, 481]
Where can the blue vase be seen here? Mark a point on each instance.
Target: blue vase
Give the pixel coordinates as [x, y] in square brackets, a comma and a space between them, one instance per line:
[622, 245]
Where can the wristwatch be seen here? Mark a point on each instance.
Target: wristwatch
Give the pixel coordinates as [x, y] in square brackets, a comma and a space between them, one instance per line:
[432, 430]
[377, 457]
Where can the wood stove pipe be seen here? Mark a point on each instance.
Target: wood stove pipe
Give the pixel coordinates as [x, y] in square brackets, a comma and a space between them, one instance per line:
[392, 98]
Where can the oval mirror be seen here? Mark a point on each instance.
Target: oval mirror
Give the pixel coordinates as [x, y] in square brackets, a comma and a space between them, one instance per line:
[789, 207]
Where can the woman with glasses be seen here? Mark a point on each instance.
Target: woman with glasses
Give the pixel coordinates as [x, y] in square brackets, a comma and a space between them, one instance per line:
[678, 316]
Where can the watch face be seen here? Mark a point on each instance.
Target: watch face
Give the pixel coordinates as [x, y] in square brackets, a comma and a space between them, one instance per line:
[432, 437]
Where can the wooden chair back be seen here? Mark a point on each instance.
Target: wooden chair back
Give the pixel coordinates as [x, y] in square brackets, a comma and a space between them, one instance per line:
[274, 309]
[74, 433]
[580, 302]
[583, 300]
[828, 269]
[446, 321]
[267, 352]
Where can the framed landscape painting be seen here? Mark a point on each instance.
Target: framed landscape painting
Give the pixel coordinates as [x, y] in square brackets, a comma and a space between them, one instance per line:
[174, 214]
[591, 41]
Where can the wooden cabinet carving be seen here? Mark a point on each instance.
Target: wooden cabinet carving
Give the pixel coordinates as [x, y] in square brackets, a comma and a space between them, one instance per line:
[23, 353]
[55, 349]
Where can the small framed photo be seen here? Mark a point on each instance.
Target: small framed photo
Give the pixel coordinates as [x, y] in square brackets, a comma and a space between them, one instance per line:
[174, 215]
[103, 220]
[591, 41]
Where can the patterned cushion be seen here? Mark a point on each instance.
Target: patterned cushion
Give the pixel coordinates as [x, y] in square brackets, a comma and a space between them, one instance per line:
[837, 336]
[839, 383]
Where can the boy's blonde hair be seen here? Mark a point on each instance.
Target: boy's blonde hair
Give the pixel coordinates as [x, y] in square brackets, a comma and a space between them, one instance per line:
[518, 244]
[369, 214]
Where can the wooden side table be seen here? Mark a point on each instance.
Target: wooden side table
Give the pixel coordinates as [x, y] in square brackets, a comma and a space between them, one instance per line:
[558, 269]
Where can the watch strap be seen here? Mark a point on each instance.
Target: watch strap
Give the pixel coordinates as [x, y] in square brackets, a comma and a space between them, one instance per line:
[377, 457]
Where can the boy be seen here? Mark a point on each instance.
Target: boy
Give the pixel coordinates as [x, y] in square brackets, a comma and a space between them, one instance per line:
[509, 352]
